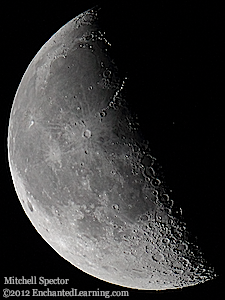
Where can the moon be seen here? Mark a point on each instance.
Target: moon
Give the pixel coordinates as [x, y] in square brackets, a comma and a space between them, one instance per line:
[84, 173]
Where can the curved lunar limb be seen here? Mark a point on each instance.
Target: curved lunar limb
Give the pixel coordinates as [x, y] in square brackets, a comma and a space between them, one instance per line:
[85, 175]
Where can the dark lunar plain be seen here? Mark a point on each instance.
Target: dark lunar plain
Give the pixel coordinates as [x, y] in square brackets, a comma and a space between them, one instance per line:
[172, 55]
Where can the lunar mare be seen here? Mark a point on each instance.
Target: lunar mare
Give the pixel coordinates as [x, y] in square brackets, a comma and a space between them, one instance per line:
[84, 173]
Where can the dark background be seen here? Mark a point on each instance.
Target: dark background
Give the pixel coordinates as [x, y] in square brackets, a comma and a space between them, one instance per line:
[173, 55]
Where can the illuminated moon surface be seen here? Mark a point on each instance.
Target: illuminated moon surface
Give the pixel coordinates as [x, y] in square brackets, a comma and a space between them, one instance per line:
[84, 173]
